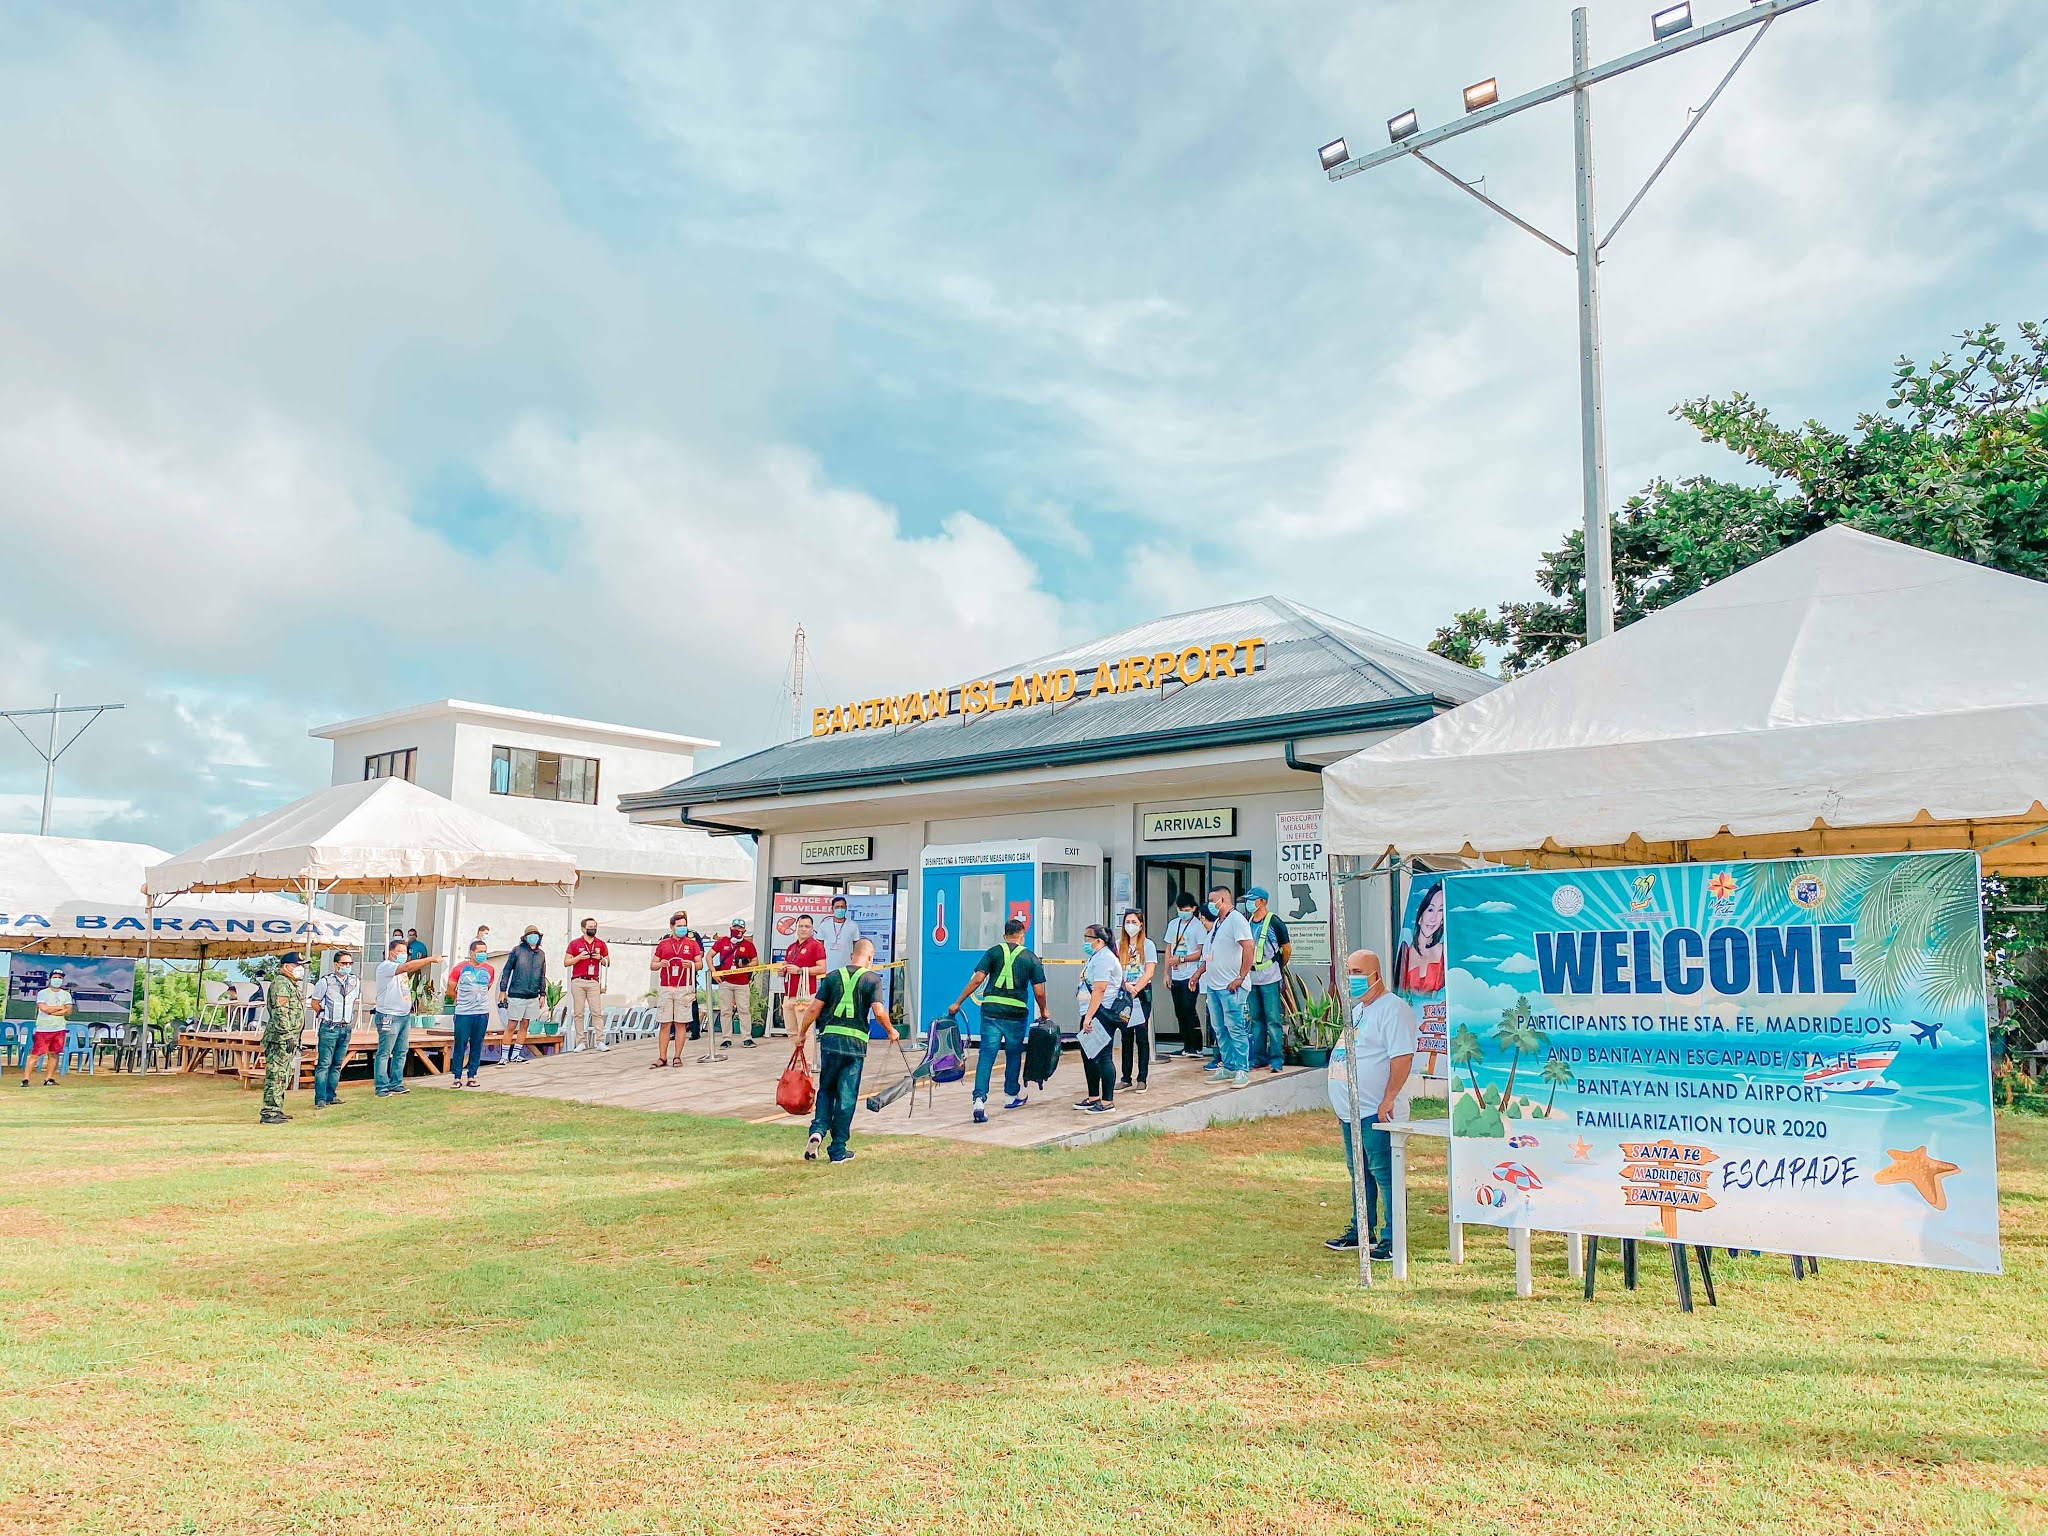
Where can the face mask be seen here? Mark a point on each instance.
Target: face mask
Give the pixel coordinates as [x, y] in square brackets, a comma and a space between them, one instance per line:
[533, 940]
[678, 930]
[1134, 929]
[1360, 985]
[839, 914]
[477, 958]
[590, 933]
[345, 967]
[1210, 908]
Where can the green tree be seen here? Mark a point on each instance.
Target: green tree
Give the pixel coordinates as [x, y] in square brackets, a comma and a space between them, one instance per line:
[1556, 1072]
[1466, 1051]
[1956, 462]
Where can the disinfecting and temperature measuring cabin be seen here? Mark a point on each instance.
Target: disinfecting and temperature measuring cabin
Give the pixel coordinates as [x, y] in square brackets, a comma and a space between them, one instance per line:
[968, 891]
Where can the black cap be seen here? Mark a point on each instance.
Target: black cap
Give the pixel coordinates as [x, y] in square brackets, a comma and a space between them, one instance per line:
[291, 957]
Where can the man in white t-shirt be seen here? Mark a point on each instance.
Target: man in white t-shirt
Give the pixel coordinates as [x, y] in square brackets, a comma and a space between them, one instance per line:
[394, 1015]
[1382, 1031]
[839, 933]
[1224, 972]
[53, 1023]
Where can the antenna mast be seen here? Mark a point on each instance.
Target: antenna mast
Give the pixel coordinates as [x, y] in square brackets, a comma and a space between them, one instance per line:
[796, 685]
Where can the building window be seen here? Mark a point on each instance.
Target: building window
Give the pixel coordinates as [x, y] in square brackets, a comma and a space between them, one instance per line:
[534, 775]
[390, 765]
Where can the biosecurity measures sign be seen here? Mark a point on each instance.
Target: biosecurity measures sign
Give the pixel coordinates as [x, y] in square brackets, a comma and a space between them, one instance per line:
[1788, 1055]
[1301, 889]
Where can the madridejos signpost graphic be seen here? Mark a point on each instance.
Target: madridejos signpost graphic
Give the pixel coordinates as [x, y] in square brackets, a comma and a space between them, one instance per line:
[1419, 970]
[1788, 1055]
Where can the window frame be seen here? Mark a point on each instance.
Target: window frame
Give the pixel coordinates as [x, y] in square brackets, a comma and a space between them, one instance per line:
[512, 765]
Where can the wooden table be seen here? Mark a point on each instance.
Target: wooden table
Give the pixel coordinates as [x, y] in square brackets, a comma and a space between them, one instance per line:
[240, 1052]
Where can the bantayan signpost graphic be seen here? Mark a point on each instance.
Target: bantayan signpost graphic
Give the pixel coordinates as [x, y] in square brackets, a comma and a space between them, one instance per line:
[1785, 1055]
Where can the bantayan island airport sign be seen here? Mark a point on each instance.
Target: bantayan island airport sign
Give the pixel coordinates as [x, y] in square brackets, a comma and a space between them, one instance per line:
[1787, 1055]
[1187, 664]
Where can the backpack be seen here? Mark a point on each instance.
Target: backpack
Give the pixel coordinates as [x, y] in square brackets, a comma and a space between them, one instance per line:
[944, 1052]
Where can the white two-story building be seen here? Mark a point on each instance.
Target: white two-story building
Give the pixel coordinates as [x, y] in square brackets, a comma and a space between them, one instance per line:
[559, 779]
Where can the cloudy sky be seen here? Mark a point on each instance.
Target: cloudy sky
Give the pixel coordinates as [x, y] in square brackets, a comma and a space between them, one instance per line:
[568, 353]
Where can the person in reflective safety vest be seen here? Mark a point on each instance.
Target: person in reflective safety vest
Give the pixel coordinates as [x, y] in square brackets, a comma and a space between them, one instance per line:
[1006, 973]
[847, 998]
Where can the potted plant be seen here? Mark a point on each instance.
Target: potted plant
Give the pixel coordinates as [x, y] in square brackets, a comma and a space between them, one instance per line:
[1315, 1028]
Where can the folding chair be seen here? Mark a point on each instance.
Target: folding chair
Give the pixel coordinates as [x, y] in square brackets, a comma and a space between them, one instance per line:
[79, 1049]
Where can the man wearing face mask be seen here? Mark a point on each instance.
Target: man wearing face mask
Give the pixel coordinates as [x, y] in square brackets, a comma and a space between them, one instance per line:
[1382, 1034]
[523, 990]
[675, 963]
[283, 1035]
[840, 934]
[1224, 973]
[336, 995]
[589, 958]
[1272, 947]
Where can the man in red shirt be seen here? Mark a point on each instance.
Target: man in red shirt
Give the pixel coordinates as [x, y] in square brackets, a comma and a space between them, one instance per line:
[732, 957]
[589, 958]
[675, 963]
[802, 964]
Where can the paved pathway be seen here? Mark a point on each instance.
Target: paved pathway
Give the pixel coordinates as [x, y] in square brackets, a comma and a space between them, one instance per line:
[742, 1086]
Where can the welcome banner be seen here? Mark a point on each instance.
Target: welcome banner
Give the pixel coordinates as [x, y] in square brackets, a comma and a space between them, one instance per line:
[1787, 1055]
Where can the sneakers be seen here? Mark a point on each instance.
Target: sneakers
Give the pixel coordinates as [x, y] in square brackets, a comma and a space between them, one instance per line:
[604, 1045]
[1139, 1086]
[1348, 1243]
[273, 1117]
[748, 1044]
[1098, 1108]
[1382, 1250]
[1239, 1079]
[811, 1150]
[472, 1082]
[981, 1111]
[843, 1157]
[1087, 1104]
[1016, 1103]
[1276, 1069]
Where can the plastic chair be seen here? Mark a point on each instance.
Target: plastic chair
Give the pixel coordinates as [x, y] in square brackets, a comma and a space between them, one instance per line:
[79, 1048]
[15, 1038]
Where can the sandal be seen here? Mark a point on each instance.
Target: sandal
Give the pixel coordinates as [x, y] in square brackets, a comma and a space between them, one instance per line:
[657, 1066]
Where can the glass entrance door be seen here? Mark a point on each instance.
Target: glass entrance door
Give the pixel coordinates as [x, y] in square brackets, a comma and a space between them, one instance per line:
[1160, 883]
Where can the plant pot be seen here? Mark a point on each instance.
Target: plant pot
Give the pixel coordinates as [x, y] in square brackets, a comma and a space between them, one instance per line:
[1314, 1056]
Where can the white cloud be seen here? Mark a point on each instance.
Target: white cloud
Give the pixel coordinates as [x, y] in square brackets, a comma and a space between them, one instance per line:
[1516, 965]
[1488, 906]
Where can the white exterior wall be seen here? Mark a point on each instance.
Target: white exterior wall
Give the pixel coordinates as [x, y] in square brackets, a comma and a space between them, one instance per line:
[454, 759]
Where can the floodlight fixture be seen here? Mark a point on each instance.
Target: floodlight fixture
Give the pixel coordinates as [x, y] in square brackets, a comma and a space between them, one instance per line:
[1671, 21]
[1403, 125]
[1484, 94]
[1334, 154]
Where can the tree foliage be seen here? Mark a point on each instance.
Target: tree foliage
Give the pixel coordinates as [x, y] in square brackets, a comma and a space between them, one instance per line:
[1956, 462]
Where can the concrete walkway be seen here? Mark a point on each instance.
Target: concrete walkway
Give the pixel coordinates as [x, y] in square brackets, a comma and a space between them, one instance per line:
[742, 1086]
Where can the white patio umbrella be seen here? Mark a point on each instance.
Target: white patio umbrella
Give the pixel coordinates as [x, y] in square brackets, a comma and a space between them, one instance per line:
[709, 910]
[377, 838]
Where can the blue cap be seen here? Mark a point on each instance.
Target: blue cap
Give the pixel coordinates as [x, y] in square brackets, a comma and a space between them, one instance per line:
[1258, 893]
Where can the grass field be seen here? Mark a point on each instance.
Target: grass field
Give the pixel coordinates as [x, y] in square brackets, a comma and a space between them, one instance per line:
[490, 1314]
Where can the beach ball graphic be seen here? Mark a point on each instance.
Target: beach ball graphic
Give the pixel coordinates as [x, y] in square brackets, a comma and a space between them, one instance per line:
[1567, 901]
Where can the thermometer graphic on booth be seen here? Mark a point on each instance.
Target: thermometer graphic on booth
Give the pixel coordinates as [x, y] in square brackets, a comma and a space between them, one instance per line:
[939, 919]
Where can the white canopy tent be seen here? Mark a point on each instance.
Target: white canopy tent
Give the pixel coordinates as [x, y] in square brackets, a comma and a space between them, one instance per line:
[709, 910]
[1846, 695]
[376, 837]
[84, 896]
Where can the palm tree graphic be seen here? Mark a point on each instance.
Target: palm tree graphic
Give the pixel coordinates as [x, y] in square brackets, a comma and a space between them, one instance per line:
[1556, 1072]
[1514, 1034]
[1466, 1051]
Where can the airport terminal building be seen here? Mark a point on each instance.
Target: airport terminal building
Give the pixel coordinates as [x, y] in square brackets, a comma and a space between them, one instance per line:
[1180, 754]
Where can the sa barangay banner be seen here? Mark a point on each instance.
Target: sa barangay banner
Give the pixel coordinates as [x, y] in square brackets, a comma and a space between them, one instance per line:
[1786, 1055]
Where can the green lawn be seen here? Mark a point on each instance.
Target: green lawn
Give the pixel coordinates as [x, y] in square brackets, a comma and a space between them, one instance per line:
[493, 1314]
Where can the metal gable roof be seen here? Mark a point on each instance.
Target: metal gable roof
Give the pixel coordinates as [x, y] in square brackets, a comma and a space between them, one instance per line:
[1320, 675]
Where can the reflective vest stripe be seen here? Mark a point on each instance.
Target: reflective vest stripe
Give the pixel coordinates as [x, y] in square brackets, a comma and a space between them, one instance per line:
[844, 1010]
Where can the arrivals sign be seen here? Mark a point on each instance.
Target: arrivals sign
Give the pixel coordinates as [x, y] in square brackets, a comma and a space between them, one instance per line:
[1172, 826]
[1788, 1055]
[1186, 665]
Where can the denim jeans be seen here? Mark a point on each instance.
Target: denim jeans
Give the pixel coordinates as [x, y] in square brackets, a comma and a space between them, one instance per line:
[469, 1043]
[388, 1071]
[838, 1095]
[1267, 1029]
[1379, 1176]
[1226, 1017]
[1002, 1033]
[333, 1051]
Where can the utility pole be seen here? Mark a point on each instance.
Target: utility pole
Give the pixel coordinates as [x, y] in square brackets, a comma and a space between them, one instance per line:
[50, 753]
[1672, 31]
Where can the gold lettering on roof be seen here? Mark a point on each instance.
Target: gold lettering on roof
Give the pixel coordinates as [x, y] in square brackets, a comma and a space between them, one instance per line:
[1186, 665]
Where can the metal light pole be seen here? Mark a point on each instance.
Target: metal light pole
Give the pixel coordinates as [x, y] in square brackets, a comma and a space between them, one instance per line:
[1674, 32]
[53, 751]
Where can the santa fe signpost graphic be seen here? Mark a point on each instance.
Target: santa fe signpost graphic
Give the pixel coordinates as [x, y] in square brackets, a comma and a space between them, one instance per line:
[1787, 1055]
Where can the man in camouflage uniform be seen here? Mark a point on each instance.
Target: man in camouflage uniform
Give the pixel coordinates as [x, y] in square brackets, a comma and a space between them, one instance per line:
[283, 1035]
